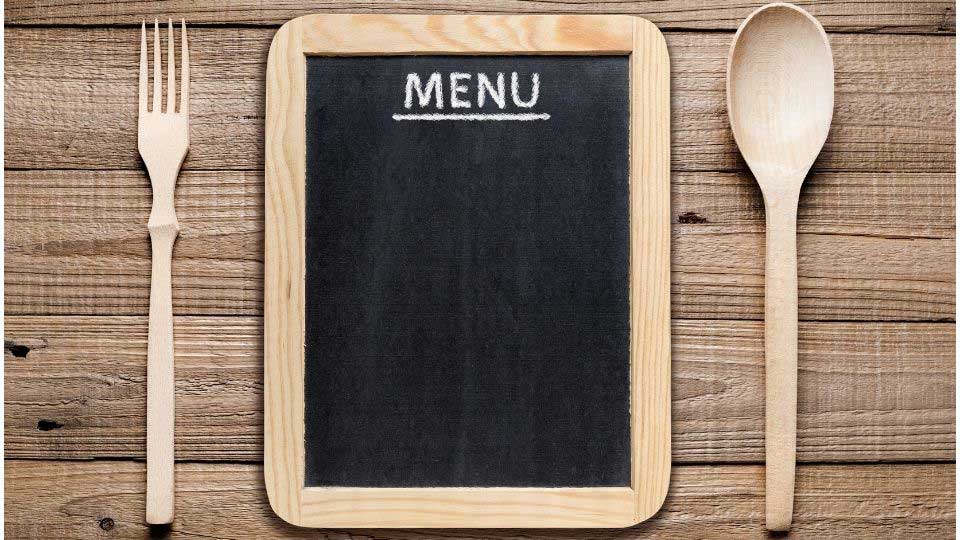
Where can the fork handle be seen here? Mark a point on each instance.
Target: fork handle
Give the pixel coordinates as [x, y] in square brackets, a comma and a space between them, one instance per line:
[160, 381]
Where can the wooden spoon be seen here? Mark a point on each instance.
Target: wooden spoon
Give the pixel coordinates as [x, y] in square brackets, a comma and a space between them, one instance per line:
[780, 103]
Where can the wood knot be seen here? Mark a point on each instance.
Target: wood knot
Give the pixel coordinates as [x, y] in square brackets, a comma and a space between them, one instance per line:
[691, 217]
[21, 348]
[48, 425]
[20, 351]
[107, 524]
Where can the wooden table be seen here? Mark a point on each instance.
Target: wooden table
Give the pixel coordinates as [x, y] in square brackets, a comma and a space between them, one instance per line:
[876, 250]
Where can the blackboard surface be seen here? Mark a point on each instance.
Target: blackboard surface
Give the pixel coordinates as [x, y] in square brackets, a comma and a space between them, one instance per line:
[466, 318]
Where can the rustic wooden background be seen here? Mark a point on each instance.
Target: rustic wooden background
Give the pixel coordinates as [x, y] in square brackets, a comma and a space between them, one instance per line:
[876, 249]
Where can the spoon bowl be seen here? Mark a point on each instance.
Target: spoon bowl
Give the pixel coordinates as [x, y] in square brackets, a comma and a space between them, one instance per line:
[780, 102]
[780, 91]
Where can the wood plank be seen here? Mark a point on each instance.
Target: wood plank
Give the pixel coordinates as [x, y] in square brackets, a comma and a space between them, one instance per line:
[901, 205]
[104, 499]
[847, 222]
[74, 389]
[848, 16]
[70, 100]
[73, 236]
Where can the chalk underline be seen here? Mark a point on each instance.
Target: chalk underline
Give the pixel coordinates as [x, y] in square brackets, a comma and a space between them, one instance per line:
[475, 117]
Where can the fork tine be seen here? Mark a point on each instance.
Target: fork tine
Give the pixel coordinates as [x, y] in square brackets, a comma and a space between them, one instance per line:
[143, 67]
[184, 70]
[156, 67]
[171, 70]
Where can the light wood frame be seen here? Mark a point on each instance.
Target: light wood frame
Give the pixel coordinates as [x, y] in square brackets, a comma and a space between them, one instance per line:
[285, 161]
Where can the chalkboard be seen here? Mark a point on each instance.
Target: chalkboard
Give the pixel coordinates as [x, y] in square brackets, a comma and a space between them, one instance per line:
[467, 271]
[467, 281]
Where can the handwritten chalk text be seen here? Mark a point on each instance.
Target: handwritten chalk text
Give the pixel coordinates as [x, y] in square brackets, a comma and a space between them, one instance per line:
[491, 93]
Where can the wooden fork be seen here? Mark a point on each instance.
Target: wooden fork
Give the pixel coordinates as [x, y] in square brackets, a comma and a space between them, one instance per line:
[163, 138]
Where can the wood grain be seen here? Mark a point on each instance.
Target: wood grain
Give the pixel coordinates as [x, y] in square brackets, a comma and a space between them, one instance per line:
[867, 391]
[391, 34]
[78, 238]
[284, 282]
[848, 16]
[104, 499]
[70, 101]
[72, 237]
[650, 351]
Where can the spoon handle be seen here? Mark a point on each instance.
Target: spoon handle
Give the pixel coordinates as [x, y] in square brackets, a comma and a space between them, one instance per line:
[780, 333]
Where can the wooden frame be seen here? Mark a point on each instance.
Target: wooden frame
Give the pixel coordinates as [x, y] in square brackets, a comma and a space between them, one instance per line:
[285, 157]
